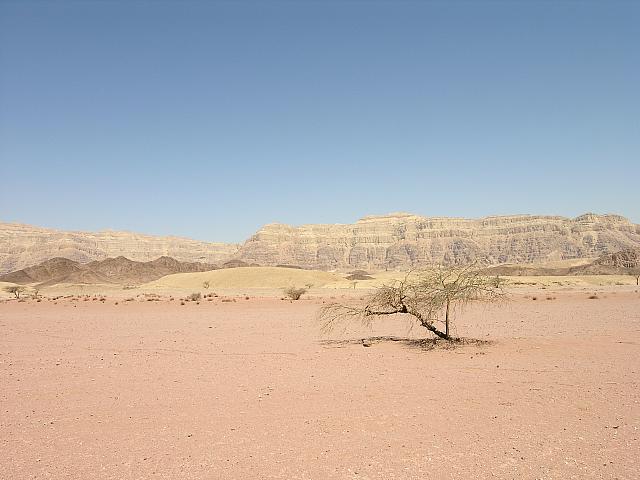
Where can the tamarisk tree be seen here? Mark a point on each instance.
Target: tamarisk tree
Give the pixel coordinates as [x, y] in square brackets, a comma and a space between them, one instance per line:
[430, 296]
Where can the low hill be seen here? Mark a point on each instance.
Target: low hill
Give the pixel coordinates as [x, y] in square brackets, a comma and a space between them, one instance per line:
[247, 277]
[616, 263]
[119, 270]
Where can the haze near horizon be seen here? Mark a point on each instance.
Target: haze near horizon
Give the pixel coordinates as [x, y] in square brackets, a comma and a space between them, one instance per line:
[210, 119]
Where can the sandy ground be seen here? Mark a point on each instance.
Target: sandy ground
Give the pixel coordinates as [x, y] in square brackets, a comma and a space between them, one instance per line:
[250, 389]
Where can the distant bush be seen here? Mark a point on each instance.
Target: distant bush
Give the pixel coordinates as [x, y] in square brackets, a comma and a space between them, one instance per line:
[295, 293]
[205, 285]
[15, 290]
[194, 297]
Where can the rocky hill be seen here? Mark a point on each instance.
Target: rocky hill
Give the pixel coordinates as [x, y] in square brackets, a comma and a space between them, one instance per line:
[24, 245]
[629, 258]
[402, 241]
[119, 270]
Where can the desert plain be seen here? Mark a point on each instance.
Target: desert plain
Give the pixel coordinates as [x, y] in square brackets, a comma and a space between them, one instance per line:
[132, 384]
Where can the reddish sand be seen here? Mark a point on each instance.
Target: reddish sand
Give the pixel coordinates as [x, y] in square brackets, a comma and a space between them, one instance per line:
[250, 390]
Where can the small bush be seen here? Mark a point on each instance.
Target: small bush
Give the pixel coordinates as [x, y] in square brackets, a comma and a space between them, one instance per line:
[295, 293]
[15, 290]
[194, 297]
[593, 297]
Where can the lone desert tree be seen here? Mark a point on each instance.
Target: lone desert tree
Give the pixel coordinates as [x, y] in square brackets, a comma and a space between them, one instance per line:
[430, 296]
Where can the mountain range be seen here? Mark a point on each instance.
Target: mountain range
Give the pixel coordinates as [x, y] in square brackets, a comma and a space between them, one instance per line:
[387, 242]
[119, 270]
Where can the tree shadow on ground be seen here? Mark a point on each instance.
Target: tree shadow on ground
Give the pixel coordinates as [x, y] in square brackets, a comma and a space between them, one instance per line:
[415, 343]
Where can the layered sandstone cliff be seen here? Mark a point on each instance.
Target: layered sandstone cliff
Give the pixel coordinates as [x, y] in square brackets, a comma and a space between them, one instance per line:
[24, 245]
[402, 241]
[397, 242]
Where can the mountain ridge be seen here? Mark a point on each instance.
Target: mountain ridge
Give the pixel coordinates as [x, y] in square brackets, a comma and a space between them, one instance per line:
[22, 246]
[401, 241]
[117, 270]
[375, 242]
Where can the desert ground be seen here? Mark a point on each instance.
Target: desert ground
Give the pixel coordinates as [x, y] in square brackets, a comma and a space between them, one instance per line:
[130, 385]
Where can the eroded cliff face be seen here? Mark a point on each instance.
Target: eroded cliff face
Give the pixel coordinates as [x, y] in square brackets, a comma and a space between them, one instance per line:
[403, 241]
[395, 242]
[24, 245]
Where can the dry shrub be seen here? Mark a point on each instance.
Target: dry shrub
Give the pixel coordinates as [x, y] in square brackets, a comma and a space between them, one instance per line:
[593, 297]
[294, 293]
[194, 297]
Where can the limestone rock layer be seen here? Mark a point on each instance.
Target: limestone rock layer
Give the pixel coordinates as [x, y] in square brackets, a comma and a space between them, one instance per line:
[395, 242]
[404, 241]
[23, 246]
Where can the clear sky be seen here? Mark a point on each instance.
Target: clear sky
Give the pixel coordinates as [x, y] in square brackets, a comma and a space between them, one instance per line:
[209, 119]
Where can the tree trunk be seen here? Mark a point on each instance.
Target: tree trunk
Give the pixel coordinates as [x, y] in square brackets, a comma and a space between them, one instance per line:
[446, 320]
[429, 326]
[432, 329]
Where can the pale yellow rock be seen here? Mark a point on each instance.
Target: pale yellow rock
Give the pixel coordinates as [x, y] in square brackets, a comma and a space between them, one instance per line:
[24, 246]
[403, 241]
[246, 277]
[390, 242]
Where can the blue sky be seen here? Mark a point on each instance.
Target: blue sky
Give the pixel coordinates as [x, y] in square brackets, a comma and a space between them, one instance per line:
[210, 119]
